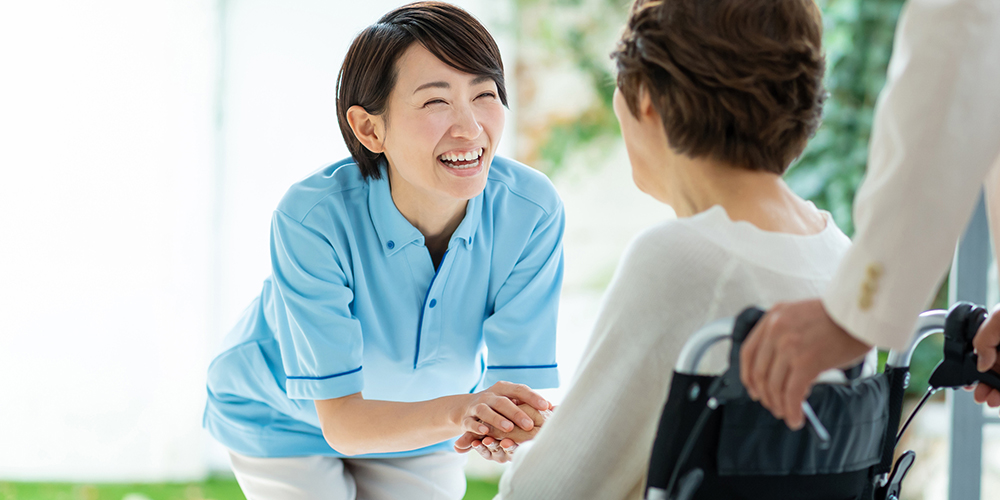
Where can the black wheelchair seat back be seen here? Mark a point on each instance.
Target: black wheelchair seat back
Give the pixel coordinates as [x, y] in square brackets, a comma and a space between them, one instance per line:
[715, 443]
[743, 452]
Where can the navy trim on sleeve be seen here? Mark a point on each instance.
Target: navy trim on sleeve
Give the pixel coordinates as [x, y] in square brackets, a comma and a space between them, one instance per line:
[341, 374]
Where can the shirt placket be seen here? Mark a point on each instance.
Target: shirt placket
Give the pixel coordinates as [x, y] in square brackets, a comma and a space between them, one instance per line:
[429, 332]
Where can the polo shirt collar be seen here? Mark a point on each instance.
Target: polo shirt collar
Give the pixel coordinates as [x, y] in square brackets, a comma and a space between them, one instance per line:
[395, 232]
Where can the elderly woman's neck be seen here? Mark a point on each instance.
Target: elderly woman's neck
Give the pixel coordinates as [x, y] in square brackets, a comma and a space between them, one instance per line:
[761, 198]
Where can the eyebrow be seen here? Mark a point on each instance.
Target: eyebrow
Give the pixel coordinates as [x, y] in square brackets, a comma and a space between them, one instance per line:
[445, 85]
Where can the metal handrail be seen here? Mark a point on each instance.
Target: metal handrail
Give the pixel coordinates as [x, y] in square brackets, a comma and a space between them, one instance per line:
[928, 323]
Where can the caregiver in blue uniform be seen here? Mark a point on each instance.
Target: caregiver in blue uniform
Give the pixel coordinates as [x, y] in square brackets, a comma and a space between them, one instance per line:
[393, 273]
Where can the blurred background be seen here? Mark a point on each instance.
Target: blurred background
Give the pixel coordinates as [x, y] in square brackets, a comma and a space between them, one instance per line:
[143, 146]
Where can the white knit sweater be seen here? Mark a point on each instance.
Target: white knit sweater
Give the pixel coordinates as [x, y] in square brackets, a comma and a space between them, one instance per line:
[674, 278]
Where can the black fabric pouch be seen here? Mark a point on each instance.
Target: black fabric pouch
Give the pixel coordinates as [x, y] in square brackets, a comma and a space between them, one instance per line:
[753, 442]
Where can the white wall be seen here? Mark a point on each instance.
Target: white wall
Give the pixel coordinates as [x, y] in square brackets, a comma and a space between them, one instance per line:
[106, 161]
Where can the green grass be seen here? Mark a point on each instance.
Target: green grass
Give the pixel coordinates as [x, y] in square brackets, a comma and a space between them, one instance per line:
[211, 489]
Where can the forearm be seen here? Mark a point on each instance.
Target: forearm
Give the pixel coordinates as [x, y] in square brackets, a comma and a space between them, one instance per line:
[356, 426]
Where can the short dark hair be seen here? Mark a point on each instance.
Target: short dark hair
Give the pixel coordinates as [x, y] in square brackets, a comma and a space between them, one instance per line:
[739, 81]
[369, 71]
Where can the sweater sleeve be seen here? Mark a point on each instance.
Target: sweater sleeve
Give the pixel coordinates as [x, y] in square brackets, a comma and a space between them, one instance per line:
[597, 443]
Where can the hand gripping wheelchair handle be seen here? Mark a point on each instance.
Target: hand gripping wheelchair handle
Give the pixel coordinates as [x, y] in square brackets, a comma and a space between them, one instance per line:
[958, 368]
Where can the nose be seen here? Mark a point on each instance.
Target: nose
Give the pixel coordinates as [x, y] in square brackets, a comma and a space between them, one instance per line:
[466, 125]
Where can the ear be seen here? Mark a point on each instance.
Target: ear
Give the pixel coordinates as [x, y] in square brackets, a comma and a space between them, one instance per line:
[368, 128]
[645, 106]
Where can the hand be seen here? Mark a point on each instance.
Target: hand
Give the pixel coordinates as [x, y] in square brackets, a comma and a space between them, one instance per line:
[790, 346]
[500, 446]
[495, 410]
[986, 342]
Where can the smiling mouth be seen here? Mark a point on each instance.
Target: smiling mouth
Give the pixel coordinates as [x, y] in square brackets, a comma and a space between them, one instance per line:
[468, 159]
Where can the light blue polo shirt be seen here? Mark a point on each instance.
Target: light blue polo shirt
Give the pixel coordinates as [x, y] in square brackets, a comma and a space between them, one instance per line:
[354, 304]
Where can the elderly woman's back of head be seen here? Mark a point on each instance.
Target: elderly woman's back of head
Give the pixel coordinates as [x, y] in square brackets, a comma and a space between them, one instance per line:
[738, 81]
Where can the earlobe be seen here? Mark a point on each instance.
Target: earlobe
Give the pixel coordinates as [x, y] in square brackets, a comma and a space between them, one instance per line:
[367, 128]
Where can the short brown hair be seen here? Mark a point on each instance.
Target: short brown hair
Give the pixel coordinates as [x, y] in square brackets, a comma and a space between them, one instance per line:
[739, 81]
[369, 71]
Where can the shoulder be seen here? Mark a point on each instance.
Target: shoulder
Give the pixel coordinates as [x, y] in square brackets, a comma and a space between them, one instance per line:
[672, 245]
[512, 182]
[328, 185]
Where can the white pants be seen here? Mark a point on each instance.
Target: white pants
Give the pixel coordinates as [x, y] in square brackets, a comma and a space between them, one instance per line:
[438, 476]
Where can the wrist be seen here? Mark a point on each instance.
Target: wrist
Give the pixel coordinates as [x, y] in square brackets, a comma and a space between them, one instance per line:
[455, 410]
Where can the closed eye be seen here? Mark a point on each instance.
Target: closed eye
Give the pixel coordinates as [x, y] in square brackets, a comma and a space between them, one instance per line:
[434, 101]
[486, 94]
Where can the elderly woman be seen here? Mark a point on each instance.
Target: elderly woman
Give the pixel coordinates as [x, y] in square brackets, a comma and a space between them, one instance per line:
[391, 270]
[715, 99]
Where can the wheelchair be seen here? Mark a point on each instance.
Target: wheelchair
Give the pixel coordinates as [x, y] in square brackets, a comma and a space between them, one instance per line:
[714, 442]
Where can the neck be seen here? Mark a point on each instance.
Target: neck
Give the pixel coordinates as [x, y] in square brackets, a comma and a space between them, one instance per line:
[693, 185]
[436, 219]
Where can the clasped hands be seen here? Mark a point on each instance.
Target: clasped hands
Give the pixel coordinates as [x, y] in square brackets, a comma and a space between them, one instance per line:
[490, 418]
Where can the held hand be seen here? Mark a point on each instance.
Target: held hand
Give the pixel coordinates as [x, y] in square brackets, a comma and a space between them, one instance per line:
[495, 409]
[986, 342]
[791, 345]
[500, 446]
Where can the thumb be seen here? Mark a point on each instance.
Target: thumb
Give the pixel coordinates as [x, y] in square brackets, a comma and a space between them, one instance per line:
[986, 342]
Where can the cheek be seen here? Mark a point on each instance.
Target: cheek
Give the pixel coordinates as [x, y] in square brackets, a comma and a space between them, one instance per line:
[492, 120]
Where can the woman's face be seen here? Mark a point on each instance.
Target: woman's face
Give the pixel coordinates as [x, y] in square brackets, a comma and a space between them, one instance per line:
[441, 131]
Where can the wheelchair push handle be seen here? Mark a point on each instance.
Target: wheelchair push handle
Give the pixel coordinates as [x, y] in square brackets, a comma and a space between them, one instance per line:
[958, 368]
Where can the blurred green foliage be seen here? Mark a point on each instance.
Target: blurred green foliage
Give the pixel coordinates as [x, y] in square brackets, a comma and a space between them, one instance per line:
[857, 38]
[577, 34]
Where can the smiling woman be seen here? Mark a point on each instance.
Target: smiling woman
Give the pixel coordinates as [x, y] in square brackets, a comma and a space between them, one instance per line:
[392, 271]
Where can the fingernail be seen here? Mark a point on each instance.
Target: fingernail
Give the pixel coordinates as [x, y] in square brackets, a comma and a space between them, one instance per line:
[982, 365]
[507, 426]
[526, 423]
[483, 429]
[543, 403]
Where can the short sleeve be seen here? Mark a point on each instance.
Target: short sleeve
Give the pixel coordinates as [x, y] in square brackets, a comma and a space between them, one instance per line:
[320, 340]
[520, 335]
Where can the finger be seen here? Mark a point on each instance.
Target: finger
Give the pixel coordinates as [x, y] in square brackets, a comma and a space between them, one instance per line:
[798, 383]
[986, 341]
[748, 357]
[464, 442]
[508, 444]
[761, 365]
[993, 398]
[776, 381]
[483, 452]
[493, 446]
[475, 425]
[500, 457]
[981, 391]
[489, 416]
[522, 393]
[508, 409]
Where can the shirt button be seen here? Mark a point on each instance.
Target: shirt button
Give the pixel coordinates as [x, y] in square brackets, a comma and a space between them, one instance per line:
[434, 302]
[391, 245]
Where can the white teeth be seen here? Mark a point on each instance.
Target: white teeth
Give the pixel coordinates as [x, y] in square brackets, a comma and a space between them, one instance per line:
[468, 156]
